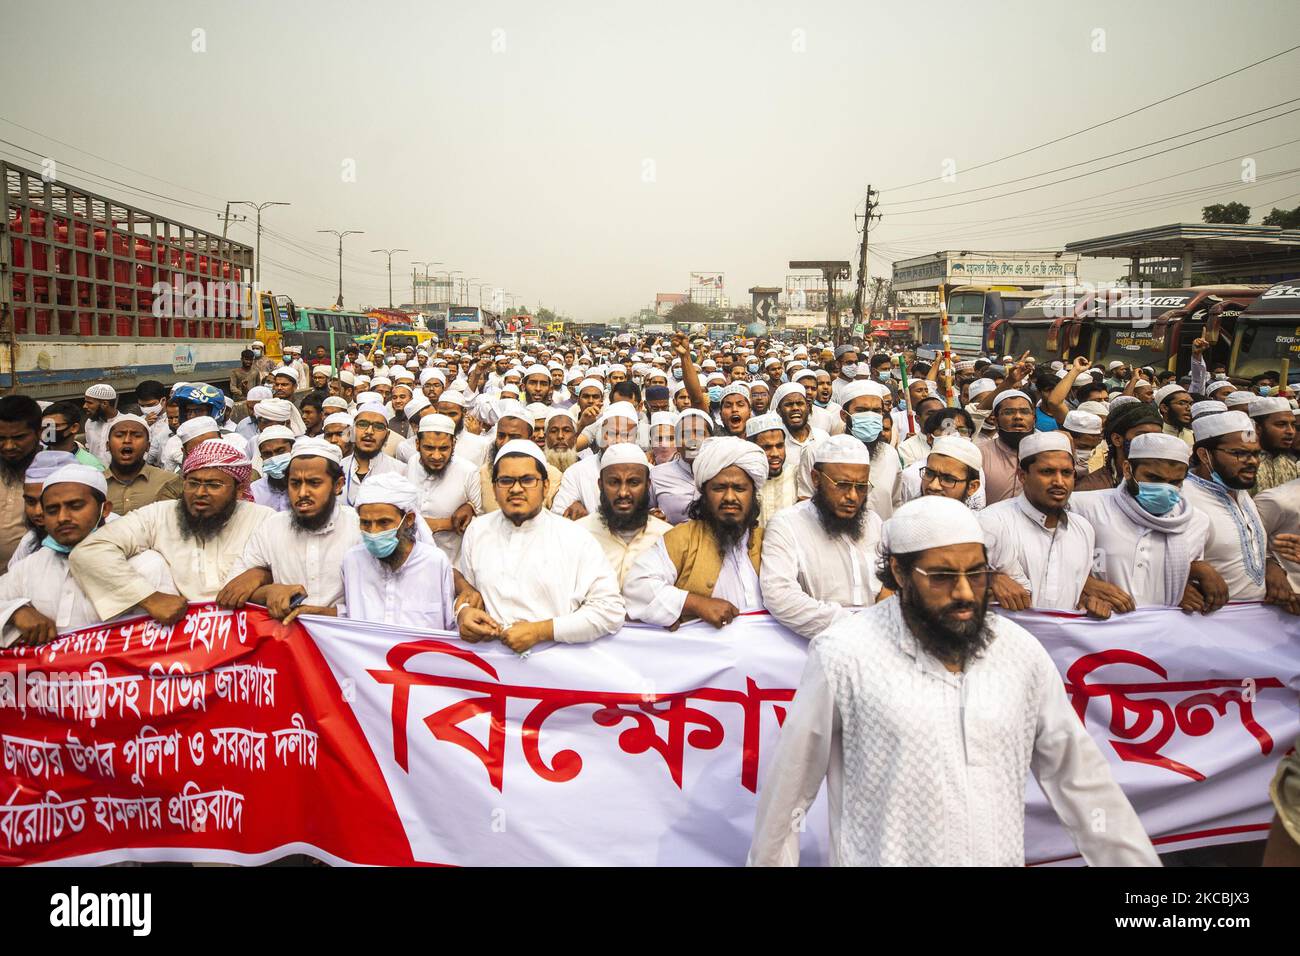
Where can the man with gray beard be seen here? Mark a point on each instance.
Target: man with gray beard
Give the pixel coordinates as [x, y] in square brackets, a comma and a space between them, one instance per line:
[819, 556]
[561, 439]
[925, 714]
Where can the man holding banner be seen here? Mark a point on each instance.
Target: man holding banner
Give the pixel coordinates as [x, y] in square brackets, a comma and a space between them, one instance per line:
[926, 714]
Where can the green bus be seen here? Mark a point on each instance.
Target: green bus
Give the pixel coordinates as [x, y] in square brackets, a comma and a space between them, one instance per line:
[311, 327]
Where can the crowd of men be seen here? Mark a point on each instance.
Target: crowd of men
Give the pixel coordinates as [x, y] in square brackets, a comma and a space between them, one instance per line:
[555, 492]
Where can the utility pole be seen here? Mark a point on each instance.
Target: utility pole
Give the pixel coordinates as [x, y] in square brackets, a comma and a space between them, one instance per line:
[868, 216]
[227, 219]
[257, 266]
[389, 253]
[346, 232]
[421, 262]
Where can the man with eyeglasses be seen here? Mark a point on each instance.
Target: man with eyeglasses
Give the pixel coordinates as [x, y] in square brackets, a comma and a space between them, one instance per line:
[540, 577]
[951, 470]
[1041, 552]
[864, 416]
[708, 567]
[819, 556]
[1223, 471]
[925, 715]
[201, 537]
[370, 433]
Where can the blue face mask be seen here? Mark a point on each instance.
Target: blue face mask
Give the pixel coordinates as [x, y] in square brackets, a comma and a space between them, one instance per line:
[276, 466]
[715, 394]
[866, 426]
[850, 370]
[677, 374]
[1266, 390]
[1214, 477]
[49, 542]
[752, 367]
[1158, 498]
[382, 543]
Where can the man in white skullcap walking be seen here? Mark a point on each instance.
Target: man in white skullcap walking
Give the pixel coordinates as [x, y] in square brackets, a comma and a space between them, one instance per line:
[925, 714]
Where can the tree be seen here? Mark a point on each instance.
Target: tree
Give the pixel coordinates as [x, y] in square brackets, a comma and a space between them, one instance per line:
[689, 313]
[1280, 217]
[1233, 212]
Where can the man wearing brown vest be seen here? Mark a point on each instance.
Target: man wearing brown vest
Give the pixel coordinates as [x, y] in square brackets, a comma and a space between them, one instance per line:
[707, 567]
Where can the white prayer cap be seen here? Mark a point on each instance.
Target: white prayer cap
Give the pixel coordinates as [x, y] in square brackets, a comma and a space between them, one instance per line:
[980, 386]
[367, 398]
[1225, 423]
[45, 464]
[272, 432]
[381, 380]
[625, 410]
[429, 372]
[785, 391]
[555, 413]
[1082, 423]
[306, 447]
[537, 369]
[347, 378]
[275, 409]
[237, 442]
[1100, 409]
[453, 396]
[143, 423]
[587, 383]
[758, 424]
[1240, 400]
[802, 373]
[1084, 379]
[437, 423]
[258, 393]
[1218, 385]
[961, 449]
[1268, 406]
[755, 385]
[338, 418]
[371, 408]
[194, 427]
[1207, 407]
[1114, 365]
[521, 446]
[573, 373]
[77, 474]
[389, 488]
[1167, 391]
[736, 388]
[1012, 393]
[664, 418]
[335, 401]
[624, 453]
[715, 454]
[714, 377]
[1036, 442]
[537, 410]
[931, 521]
[417, 404]
[1119, 400]
[286, 371]
[403, 375]
[1159, 445]
[509, 408]
[841, 450]
[102, 391]
[857, 389]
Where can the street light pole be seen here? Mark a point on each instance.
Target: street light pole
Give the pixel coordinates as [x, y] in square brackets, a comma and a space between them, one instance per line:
[389, 253]
[257, 264]
[420, 262]
[465, 283]
[345, 232]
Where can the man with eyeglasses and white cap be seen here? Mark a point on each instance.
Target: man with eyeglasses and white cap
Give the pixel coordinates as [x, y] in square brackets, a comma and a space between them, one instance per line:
[863, 408]
[369, 435]
[1041, 552]
[39, 598]
[396, 575]
[708, 567]
[540, 577]
[819, 556]
[952, 469]
[925, 714]
[1149, 540]
[299, 551]
[1224, 465]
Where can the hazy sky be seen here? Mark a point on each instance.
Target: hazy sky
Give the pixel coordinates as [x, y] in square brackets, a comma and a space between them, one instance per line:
[588, 155]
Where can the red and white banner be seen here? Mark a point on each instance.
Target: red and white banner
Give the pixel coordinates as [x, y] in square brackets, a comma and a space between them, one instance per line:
[230, 737]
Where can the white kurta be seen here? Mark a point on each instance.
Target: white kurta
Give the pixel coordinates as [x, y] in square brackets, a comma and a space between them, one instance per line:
[419, 594]
[96, 435]
[809, 578]
[473, 448]
[794, 448]
[653, 596]
[273, 498]
[884, 494]
[827, 419]
[297, 556]
[1232, 518]
[909, 485]
[1133, 557]
[581, 482]
[1279, 511]
[777, 494]
[915, 448]
[1051, 563]
[352, 482]
[45, 581]
[545, 569]
[443, 493]
[29, 545]
[925, 767]
[199, 568]
[673, 484]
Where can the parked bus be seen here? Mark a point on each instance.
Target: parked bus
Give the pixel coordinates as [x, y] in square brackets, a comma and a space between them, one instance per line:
[1266, 337]
[1049, 327]
[973, 308]
[311, 327]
